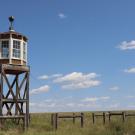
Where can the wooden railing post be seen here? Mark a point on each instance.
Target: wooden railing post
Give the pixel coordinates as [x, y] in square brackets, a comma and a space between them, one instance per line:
[104, 117]
[52, 120]
[123, 116]
[82, 119]
[73, 118]
[93, 117]
[109, 116]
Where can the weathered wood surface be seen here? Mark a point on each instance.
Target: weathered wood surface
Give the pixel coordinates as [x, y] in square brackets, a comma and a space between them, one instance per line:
[17, 92]
[56, 116]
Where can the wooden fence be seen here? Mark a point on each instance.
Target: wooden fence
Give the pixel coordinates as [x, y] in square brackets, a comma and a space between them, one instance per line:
[109, 115]
[56, 116]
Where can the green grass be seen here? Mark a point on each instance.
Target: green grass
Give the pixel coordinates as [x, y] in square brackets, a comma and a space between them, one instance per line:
[41, 125]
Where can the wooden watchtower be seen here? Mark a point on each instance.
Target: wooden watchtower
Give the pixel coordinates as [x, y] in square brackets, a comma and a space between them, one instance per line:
[14, 76]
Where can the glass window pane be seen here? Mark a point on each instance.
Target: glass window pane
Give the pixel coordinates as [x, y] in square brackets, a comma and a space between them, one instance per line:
[24, 50]
[5, 49]
[16, 48]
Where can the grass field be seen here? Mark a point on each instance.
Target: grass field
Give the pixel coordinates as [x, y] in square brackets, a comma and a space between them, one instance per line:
[41, 125]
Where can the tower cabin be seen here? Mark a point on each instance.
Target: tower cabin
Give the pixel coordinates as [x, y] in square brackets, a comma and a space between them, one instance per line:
[13, 46]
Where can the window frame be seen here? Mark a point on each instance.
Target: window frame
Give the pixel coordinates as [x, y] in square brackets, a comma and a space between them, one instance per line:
[2, 56]
[24, 51]
[16, 49]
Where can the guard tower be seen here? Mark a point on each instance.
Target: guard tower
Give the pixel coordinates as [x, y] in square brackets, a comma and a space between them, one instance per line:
[14, 76]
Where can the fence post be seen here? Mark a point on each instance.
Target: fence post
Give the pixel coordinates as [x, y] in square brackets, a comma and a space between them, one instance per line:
[73, 118]
[93, 117]
[52, 120]
[104, 117]
[123, 116]
[109, 116]
[82, 119]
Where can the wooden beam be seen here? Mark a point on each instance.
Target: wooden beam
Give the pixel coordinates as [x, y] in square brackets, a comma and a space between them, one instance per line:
[1, 92]
[27, 97]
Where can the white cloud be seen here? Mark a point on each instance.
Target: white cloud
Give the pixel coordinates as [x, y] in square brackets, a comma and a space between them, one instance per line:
[91, 99]
[41, 89]
[81, 85]
[78, 80]
[127, 45]
[130, 70]
[62, 15]
[56, 75]
[94, 99]
[76, 76]
[114, 88]
[45, 77]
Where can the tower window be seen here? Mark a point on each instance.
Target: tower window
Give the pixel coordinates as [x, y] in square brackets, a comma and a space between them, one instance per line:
[5, 49]
[16, 49]
[24, 50]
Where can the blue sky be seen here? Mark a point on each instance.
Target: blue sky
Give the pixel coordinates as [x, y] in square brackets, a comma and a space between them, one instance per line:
[81, 52]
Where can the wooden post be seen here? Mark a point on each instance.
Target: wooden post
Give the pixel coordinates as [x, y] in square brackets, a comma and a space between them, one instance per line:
[104, 117]
[73, 118]
[123, 116]
[27, 98]
[1, 94]
[93, 117]
[109, 116]
[17, 93]
[1, 90]
[82, 119]
[56, 121]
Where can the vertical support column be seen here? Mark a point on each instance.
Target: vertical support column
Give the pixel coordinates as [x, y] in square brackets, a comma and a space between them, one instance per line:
[109, 116]
[10, 49]
[82, 117]
[1, 93]
[21, 52]
[1, 88]
[123, 116]
[27, 102]
[73, 118]
[17, 93]
[104, 117]
[52, 120]
[93, 117]
[56, 121]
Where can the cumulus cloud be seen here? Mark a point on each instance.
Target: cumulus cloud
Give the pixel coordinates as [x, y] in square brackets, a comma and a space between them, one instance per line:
[78, 80]
[62, 15]
[56, 75]
[41, 89]
[94, 99]
[130, 70]
[91, 99]
[45, 77]
[127, 45]
[114, 88]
